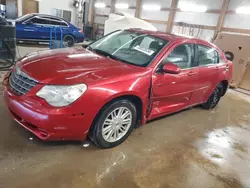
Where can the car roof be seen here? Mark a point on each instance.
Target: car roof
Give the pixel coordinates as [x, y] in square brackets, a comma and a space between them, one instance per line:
[165, 36]
[47, 15]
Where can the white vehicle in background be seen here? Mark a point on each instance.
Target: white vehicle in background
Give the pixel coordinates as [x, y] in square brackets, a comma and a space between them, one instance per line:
[123, 21]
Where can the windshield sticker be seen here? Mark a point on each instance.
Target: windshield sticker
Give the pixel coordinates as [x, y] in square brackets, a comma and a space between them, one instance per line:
[144, 50]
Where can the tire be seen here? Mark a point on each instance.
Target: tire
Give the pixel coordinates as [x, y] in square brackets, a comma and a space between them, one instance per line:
[119, 132]
[214, 98]
[68, 41]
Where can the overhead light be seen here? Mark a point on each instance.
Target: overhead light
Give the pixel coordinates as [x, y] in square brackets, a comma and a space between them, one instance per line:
[243, 10]
[192, 7]
[121, 5]
[152, 7]
[100, 5]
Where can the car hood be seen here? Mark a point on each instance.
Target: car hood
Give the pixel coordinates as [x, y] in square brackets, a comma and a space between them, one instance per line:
[73, 66]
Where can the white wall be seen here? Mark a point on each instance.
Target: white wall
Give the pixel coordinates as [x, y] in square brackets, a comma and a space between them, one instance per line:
[155, 15]
[240, 21]
[235, 3]
[131, 3]
[197, 18]
[237, 21]
[20, 7]
[160, 27]
[46, 7]
[162, 3]
[208, 19]
[102, 11]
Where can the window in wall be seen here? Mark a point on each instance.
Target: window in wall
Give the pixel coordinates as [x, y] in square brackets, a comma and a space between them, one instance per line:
[182, 56]
[65, 14]
[207, 55]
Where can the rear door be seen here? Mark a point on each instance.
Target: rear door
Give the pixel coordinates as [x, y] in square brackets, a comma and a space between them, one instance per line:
[210, 70]
[63, 25]
[173, 92]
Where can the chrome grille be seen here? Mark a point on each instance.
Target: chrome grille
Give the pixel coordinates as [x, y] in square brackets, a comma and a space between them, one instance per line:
[20, 83]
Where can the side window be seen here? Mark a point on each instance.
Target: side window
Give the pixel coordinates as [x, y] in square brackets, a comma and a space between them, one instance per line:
[182, 56]
[58, 22]
[40, 21]
[207, 55]
[37, 21]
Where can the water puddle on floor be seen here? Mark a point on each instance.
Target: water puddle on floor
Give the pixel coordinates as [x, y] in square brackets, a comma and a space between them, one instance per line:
[228, 148]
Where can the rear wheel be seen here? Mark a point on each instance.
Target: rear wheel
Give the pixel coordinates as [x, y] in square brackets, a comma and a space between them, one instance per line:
[214, 98]
[114, 124]
[68, 41]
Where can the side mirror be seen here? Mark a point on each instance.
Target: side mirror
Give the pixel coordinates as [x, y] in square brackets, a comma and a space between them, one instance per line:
[171, 68]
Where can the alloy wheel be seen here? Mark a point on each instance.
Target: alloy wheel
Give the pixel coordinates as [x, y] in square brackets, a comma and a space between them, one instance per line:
[116, 124]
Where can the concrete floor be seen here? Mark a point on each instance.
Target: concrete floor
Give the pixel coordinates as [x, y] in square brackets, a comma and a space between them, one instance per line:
[195, 148]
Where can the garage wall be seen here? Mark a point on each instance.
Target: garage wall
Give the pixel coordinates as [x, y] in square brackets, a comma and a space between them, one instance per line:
[131, 10]
[200, 18]
[241, 21]
[101, 14]
[208, 20]
[46, 7]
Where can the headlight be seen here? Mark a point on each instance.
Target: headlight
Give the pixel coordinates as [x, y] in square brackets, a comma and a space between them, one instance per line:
[60, 96]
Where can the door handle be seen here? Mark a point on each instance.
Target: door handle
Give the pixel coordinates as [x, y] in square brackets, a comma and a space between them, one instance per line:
[226, 68]
[192, 73]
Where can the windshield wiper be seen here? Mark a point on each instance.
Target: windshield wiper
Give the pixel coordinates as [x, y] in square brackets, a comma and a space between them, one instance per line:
[110, 56]
[101, 52]
[118, 59]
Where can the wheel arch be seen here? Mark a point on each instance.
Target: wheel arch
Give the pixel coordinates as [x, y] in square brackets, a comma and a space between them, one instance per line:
[225, 86]
[136, 100]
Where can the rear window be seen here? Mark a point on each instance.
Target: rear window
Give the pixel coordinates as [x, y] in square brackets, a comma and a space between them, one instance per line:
[207, 55]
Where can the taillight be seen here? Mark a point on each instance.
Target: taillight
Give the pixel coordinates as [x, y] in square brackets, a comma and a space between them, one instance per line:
[81, 31]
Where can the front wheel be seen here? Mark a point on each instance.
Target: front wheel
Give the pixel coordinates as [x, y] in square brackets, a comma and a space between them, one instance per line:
[214, 98]
[114, 124]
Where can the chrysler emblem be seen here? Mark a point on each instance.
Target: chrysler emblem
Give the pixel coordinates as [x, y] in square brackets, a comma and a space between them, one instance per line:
[18, 71]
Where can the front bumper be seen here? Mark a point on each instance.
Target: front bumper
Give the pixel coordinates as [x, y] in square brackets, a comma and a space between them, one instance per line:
[42, 120]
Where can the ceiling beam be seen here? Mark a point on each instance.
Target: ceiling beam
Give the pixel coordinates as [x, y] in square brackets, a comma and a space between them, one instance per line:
[138, 8]
[171, 15]
[235, 30]
[222, 16]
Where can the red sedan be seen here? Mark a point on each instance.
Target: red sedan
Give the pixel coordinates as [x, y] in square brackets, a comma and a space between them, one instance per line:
[117, 83]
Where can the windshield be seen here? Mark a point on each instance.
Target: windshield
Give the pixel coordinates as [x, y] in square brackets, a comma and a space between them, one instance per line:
[130, 47]
[24, 17]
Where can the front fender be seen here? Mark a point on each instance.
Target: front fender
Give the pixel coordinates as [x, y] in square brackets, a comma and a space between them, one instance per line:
[138, 87]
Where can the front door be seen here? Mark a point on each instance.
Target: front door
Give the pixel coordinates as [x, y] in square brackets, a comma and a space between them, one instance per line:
[173, 92]
[27, 30]
[43, 26]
